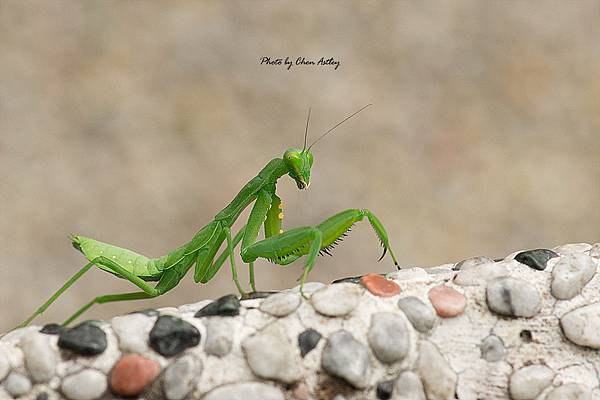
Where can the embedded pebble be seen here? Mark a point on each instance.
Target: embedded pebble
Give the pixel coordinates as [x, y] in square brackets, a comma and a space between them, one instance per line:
[581, 325]
[447, 301]
[337, 300]
[245, 391]
[132, 331]
[309, 287]
[479, 275]
[171, 335]
[572, 248]
[52, 329]
[388, 337]
[17, 384]
[471, 263]
[528, 382]
[281, 304]
[270, 355]
[570, 274]
[131, 374]
[308, 340]
[179, 377]
[439, 380]
[380, 286]
[408, 274]
[85, 339]
[349, 279]
[149, 312]
[4, 365]
[570, 391]
[219, 336]
[492, 348]
[346, 358]
[301, 392]
[513, 297]
[228, 306]
[384, 390]
[40, 358]
[42, 396]
[595, 250]
[420, 315]
[536, 259]
[87, 384]
[409, 386]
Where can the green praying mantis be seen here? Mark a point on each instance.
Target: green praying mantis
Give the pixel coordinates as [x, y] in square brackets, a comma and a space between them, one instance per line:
[279, 247]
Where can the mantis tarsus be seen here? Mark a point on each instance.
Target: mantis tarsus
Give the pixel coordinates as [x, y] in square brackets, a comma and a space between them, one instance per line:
[279, 247]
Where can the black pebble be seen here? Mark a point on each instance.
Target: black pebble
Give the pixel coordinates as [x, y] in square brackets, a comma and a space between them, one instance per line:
[85, 339]
[350, 279]
[308, 340]
[536, 259]
[171, 335]
[385, 390]
[226, 306]
[42, 396]
[52, 329]
[150, 312]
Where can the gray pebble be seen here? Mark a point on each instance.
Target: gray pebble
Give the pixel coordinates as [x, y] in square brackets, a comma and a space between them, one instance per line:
[570, 274]
[420, 315]
[581, 326]
[513, 297]
[481, 274]
[179, 377]
[471, 263]
[438, 378]
[281, 304]
[337, 300]
[219, 336]
[492, 348]
[40, 358]
[528, 382]
[570, 391]
[271, 355]
[409, 387]
[245, 391]
[132, 331]
[339, 397]
[17, 384]
[87, 384]
[4, 365]
[347, 358]
[388, 337]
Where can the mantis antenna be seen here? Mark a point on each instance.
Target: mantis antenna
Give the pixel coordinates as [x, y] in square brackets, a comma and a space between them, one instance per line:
[336, 125]
[306, 131]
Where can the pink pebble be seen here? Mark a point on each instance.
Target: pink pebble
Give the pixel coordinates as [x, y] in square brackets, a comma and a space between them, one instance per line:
[447, 301]
[131, 374]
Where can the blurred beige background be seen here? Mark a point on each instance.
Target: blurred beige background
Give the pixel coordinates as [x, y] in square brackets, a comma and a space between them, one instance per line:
[135, 122]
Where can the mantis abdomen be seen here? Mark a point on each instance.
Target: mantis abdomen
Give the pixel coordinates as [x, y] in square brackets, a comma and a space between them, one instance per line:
[133, 262]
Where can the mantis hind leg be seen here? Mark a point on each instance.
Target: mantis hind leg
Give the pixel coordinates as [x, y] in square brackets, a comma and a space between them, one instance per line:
[112, 265]
[107, 299]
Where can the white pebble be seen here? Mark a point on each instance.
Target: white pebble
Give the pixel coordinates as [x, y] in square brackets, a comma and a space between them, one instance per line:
[87, 384]
[40, 358]
[281, 304]
[337, 300]
[528, 382]
[438, 378]
[570, 274]
[17, 384]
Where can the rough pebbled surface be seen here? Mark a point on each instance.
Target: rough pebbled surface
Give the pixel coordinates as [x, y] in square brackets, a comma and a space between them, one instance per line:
[513, 335]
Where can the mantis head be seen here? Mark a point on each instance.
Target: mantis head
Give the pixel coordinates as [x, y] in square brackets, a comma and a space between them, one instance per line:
[298, 163]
